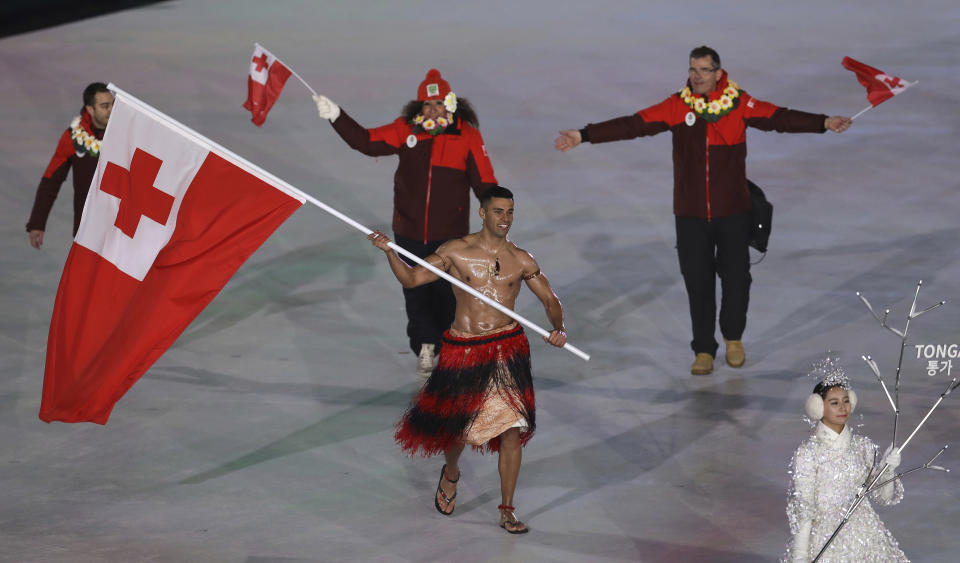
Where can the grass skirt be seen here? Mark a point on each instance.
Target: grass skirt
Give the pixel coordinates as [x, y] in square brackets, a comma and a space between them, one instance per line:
[481, 387]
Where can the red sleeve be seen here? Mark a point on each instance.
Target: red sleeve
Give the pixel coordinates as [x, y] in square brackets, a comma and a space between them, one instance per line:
[650, 121]
[670, 112]
[371, 142]
[49, 187]
[479, 167]
[393, 134]
[769, 117]
[64, 151]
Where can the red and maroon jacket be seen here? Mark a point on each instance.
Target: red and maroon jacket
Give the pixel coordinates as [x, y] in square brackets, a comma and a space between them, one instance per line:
[64, 158]
[431, 188]
[709, 159]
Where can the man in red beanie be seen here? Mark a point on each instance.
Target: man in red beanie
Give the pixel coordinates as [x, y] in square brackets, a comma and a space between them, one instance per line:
[78, 149]
[441, 158]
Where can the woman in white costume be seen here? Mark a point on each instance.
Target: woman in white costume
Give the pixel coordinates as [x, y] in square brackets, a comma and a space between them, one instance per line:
[826, 472]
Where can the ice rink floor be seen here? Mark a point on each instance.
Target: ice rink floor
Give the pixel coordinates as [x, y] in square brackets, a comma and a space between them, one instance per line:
[265, 433]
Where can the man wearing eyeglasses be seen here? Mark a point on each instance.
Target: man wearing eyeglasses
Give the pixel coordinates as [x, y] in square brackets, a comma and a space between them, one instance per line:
[711, 201]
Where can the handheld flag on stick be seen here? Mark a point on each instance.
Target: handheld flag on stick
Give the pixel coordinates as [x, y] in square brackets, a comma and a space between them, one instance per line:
[170, 217]
[265, 81]
[880, 87]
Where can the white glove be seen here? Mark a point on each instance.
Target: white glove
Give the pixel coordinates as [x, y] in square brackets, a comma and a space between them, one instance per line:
[892, 457]
[801, 543]
[326, 108]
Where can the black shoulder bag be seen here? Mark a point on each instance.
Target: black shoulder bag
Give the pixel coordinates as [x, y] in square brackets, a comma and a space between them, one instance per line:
[761, 216]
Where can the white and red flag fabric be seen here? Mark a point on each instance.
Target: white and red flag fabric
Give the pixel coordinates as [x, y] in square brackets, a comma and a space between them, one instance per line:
[264, 83]
[880, 86]
[169, 219]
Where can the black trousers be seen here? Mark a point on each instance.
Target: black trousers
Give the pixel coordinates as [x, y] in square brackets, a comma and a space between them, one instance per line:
[707, 249]
[431, 307]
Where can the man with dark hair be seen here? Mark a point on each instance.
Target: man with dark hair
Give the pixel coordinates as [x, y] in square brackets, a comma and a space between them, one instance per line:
[481, 392]
[711, 202]
[704, 51]
[441, 157]
[79, 149]
[495, 191]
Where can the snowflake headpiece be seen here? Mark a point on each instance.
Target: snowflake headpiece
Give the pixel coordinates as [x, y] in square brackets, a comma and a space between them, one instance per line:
[830, 373]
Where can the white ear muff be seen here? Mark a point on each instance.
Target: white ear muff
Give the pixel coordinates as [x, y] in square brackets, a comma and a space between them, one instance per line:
[852, 395]
[814, 406]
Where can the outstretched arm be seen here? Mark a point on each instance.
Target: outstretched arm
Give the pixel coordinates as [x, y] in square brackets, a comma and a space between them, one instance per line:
[372, 142]
[649, 121]
[769, 117]
[538, 284]
[407, 275]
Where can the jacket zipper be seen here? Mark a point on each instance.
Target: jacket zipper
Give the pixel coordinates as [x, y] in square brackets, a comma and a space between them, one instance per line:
[426, 210]
[707, 179]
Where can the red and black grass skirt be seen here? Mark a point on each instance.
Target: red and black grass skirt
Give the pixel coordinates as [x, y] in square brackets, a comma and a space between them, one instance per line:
[474, 376]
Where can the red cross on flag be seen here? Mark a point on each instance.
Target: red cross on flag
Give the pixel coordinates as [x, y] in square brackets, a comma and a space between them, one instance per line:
[264, 83]
[169, 219]
[880, 87]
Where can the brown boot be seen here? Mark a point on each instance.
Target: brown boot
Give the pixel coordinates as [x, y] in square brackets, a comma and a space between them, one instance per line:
[735, 353]
[703, 365]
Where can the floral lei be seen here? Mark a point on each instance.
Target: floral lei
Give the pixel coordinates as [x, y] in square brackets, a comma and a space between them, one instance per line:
[82, 140]
[715, 109]
[440, 124]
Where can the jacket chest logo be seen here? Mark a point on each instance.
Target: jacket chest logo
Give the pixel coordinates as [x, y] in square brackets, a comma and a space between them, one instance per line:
[412, 141]
[690, 118]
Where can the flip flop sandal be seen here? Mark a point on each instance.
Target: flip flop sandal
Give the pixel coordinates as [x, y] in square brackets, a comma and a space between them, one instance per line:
[443, 495]
[504, 520]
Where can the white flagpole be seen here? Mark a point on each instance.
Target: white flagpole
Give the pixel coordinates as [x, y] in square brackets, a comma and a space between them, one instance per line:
[863, 111]
[314, 92]
[303, 196]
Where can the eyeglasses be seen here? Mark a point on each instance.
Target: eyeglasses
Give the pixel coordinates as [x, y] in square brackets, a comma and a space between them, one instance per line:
[702, 71]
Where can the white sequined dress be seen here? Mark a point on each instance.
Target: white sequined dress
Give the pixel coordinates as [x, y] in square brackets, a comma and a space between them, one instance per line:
[826, 472]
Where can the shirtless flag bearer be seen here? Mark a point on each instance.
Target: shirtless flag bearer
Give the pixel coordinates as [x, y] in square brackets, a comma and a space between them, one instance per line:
[481, 391]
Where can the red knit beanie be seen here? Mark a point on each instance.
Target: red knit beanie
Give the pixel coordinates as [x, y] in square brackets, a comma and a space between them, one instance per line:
[433, 87]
